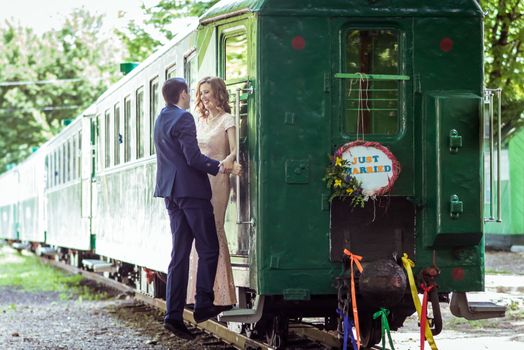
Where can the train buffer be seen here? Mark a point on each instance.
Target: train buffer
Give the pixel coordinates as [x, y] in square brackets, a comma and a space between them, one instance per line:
[99, 265]
[460, 307]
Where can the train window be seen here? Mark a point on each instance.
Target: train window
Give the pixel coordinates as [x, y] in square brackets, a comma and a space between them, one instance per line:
[117, 137]
[190, 74]
[107, 139]
[127, 129]
[235, 56]
[153, 112]
[73, 158]
[67, 161]
[61, 161]
[79, 154]
[139, 123]
[55, 168]
[171, 71]
[371, 106]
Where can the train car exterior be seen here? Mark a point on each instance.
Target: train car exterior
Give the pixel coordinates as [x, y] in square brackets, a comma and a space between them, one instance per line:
[31, 198]
[301, 59]
[130, 225]
[9, 209]
[68, 198]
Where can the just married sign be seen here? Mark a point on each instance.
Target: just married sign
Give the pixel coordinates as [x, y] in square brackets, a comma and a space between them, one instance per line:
[372, 164]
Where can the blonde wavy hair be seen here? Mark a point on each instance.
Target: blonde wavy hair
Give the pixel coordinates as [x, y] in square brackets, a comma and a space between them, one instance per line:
[218, 87]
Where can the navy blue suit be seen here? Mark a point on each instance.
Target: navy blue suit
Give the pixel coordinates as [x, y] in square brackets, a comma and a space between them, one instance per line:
[183, 181]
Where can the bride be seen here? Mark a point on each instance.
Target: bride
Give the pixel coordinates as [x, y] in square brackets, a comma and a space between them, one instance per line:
[216, 139]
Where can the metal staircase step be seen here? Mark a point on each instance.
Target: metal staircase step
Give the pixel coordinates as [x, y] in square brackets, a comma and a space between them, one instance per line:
[98, 265]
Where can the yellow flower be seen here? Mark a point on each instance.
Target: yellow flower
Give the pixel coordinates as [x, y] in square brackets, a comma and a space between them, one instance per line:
[349, 190]
[338, 183]
[338, 161]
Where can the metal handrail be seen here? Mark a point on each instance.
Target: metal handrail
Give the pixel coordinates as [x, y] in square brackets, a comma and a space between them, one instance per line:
[488, 98]
[237, 134]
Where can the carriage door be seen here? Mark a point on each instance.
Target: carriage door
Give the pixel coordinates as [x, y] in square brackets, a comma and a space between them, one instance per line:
[374, 87]
[233, 68]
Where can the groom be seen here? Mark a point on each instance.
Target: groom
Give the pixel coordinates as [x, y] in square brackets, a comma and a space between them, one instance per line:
[183, 182]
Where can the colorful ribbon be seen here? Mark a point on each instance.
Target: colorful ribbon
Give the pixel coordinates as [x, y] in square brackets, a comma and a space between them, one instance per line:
[408, 265]
[348, 330]
[424, 312]
[354, 259]
[384, 325]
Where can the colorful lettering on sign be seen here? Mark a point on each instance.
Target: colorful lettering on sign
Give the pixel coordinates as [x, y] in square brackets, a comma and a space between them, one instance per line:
[369, 168]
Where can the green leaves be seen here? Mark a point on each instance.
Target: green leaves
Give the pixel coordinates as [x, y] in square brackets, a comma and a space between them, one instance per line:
[138, 39]
[31, 112]
[504, 49]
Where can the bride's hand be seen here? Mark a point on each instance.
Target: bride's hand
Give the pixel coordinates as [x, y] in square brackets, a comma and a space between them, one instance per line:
[237, 169]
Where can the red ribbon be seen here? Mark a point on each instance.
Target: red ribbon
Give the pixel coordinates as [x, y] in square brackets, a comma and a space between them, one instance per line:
[423, 314]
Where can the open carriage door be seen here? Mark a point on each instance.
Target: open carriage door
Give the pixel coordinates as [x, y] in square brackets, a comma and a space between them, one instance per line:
[233, 67]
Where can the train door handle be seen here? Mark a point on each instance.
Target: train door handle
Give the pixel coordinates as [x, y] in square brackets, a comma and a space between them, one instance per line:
[455, 141]
[456, 207]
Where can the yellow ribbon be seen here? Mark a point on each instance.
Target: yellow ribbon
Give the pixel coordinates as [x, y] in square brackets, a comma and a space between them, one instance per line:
[408, 265]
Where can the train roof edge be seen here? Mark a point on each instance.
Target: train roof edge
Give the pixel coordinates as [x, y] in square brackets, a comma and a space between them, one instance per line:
[355, 8]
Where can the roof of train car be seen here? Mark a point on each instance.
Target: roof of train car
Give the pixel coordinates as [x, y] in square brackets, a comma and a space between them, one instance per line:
[356, 8]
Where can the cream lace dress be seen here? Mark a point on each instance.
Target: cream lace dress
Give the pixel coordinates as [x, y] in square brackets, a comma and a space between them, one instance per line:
[213, 142]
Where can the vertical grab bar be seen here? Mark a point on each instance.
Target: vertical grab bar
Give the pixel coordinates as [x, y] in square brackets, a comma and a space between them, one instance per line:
[489, 98]
[237, 134]
[499, 146]
[491, 154]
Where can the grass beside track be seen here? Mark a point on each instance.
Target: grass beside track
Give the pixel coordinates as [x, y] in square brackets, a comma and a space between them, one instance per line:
[26, 272]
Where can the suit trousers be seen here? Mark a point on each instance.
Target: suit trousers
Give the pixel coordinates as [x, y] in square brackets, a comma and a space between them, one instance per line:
[191, 218]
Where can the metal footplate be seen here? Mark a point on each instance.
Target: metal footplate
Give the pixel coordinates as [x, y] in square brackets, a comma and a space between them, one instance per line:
[479, 310]
[98, 265]
[21, 246]
[244, 315]
[47, 251]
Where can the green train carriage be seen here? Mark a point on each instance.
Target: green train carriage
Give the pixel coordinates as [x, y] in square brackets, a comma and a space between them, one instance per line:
[294, 78]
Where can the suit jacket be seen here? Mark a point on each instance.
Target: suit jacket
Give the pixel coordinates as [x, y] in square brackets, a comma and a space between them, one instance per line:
[181, 168]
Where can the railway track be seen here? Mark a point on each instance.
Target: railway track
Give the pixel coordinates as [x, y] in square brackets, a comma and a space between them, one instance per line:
[302, 336]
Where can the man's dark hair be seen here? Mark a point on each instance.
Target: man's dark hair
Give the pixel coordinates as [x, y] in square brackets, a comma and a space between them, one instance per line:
[172, 89]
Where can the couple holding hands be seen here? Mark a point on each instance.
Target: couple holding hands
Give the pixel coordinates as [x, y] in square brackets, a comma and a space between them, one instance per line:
[200, 269]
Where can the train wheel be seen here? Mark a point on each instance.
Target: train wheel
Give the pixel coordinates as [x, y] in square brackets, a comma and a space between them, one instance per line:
[277, 332]
[370, 331]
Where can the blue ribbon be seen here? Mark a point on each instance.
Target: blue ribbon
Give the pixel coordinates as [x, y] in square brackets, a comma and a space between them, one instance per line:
[348, 326]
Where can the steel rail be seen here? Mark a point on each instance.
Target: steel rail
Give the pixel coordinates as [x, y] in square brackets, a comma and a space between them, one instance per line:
[218, 330]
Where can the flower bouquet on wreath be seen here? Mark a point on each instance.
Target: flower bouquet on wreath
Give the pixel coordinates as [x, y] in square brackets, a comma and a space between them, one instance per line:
[339, 180]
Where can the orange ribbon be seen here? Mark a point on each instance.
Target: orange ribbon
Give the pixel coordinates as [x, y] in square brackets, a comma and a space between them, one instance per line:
[354, 259]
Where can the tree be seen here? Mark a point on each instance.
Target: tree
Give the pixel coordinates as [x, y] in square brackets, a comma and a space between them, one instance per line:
[140, 42]
[31, 113]
[504, 49]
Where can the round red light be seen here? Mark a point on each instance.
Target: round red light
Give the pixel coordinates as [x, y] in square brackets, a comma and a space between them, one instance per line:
[446, 44]
[298, 43]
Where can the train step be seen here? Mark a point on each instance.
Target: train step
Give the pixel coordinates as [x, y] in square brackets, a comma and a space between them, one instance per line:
[21, 246]
[244, 315]
[47, 251]
[478, 310]
[99, 265]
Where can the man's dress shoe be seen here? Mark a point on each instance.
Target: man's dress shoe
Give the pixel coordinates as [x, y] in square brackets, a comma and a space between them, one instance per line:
[204, 314]
[179, 329]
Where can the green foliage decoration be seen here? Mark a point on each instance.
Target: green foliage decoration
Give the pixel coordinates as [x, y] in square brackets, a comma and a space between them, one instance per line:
[341, 184]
